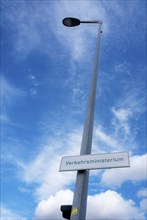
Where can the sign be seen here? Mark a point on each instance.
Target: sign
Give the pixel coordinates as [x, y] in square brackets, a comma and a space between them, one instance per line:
[95, 161]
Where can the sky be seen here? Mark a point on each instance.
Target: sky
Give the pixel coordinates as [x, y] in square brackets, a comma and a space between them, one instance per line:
[45, 77]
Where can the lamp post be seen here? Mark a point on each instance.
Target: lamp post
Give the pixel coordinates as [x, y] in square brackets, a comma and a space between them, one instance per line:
[81, 187]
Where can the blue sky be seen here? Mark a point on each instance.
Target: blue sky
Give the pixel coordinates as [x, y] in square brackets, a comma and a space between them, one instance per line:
[45, 76]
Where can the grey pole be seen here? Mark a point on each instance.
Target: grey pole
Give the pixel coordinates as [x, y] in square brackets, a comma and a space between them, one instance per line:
[81, 187]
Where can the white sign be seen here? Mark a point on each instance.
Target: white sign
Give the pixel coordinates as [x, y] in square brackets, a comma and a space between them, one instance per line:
[95, 161]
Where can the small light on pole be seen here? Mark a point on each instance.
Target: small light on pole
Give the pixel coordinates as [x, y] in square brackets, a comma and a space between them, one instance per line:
[71, 22]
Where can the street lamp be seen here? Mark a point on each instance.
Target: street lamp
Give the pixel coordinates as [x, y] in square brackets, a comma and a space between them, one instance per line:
[71, 22]
[81, 187]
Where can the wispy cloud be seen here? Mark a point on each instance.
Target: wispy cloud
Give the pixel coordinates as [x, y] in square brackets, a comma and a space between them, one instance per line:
[136, 172]
[9, 93]
[142, 193]
[33, 29]
[106, 139]
[50, 180]
[8, 214]
[131, 105]
[143, 203]
[120, 121]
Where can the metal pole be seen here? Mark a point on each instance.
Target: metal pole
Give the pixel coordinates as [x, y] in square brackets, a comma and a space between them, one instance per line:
[81, 187]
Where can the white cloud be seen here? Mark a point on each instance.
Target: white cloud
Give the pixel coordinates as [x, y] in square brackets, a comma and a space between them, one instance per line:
[9, 96]
[33, 92]
[121, 114]
[44, 168]
[106, 205]
[105, 140]
[8, 214]
[111, 205]
[9, 93]
[132, 101]
[33, 84]
[50, 208]
[130, 106]
[122, 68]
[143, 205]
[31, 77]
[120, 121]
[33, 29]
[142, 193]
[4, 118]
[136, 172]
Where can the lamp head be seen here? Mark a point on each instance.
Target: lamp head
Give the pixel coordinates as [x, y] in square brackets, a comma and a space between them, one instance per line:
[71, 22]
